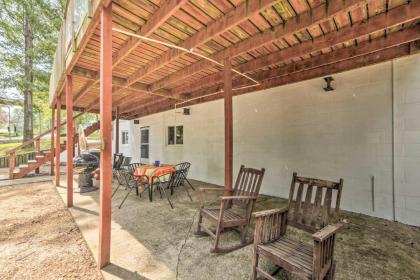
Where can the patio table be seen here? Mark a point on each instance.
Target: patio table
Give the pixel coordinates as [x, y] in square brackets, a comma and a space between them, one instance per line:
[163, 171]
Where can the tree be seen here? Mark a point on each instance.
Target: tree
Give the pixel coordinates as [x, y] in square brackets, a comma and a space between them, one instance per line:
[28, 39]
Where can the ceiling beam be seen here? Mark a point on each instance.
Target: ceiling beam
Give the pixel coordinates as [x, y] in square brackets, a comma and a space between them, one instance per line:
[303, 74]
[391, 40]
[395, 16]
[165, 11]
[234, 17]
[118, 82]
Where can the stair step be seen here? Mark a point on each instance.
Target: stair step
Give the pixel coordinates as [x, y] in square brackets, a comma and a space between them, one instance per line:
[32, 161]
[23, 166]
[40, 156]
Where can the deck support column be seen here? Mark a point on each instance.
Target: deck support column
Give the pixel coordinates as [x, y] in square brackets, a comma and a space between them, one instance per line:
[52, 149]
[106, 136]
[117, 130]
[227, 88]
[70, 136]
[57, 142]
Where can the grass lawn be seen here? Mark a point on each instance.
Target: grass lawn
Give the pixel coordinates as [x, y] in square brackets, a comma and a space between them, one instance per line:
[4, 147]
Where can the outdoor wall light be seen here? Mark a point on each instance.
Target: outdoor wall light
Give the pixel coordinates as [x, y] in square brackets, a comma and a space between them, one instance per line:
[329, 80]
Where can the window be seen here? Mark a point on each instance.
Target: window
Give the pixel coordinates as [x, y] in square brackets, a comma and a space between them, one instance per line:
[175, 135]
[124, 137]
[144, 145]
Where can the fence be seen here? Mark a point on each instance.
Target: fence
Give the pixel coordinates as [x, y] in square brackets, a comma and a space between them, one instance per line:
[20, 159]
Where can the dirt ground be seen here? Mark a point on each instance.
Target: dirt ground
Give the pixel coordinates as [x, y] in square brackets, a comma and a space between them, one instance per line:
[38, 237]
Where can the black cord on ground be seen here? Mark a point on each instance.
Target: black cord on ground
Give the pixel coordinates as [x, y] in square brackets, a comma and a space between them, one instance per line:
[185, 242]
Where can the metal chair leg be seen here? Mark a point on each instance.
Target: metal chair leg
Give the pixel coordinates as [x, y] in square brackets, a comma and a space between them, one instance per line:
[167, 197]
[115, 191]
[186, 189]
[122, 202]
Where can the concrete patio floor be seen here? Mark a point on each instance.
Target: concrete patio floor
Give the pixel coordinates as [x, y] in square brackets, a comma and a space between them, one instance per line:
[153, 241]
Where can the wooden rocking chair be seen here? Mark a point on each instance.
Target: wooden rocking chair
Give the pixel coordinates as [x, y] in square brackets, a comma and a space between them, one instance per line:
[302, 260]
[235, 210]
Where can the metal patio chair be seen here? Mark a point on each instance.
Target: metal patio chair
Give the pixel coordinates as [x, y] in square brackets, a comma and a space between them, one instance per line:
[126, 162]
[184, 167]
[132, 183]
[173, 182]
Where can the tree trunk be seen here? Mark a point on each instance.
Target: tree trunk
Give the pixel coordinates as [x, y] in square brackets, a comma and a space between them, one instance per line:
[28, 101]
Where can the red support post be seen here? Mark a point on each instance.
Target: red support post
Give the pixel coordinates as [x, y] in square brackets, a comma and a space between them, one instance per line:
[105, 104]
[70, 136]
[228, 125]
[57, 142]
[117, 130]
[52, 150]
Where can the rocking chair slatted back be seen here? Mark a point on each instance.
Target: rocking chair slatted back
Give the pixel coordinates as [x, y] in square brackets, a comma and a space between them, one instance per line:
[310, 202]
[248, 183]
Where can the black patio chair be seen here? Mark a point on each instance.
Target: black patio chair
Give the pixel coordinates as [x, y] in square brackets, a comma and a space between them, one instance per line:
[132, 183]
[118, 159]
[126, 162]
[173, 182]
[132, 167]
[184, 167]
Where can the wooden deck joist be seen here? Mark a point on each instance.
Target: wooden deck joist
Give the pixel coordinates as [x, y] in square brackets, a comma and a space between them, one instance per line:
[265, 39]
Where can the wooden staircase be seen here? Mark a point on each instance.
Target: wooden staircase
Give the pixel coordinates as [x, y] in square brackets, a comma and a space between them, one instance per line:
[41, 158]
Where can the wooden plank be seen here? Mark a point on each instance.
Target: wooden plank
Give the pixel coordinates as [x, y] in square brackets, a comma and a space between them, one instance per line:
[228, 111]
[52, 148]
[393, 39]
[296, 24]
[69, 142]
[57, 142]
[234, 17]
[166, 10]
[117, 130]
[106, 137]
[338, 67]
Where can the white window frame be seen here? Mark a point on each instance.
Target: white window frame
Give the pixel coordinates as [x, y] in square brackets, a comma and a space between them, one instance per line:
[123, 142]
[167, 135]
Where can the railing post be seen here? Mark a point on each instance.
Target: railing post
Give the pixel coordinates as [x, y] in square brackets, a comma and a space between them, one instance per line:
[12, 157]
[37, 147]
[52, 149]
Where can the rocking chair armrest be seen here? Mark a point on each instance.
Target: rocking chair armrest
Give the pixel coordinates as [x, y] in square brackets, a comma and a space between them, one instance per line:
[266, 213]
[326, 232]
[239, 197]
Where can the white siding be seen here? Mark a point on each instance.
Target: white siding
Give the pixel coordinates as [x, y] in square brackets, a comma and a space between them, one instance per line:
[344, 133]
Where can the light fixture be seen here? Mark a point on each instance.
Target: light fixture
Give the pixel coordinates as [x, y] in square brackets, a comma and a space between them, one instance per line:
[329, 80]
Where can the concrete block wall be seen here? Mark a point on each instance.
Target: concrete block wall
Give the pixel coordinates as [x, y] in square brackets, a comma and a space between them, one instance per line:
[344, 133]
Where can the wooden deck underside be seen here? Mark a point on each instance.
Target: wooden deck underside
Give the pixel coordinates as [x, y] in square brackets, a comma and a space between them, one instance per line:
[275, 42]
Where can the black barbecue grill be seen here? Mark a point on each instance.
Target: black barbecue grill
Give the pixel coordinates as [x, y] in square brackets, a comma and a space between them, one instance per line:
[84, 165]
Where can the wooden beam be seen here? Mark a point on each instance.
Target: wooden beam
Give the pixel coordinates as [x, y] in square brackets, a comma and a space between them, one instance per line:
[165, 11]
[227, 87]
[52, 149]
[391, 40]
[57, 142]
[106, 137]
[306, 74]
[117, 130]
[395, 16]
[69, 142]
[236, 16]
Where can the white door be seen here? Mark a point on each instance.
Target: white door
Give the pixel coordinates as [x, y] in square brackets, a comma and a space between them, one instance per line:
[144, 144]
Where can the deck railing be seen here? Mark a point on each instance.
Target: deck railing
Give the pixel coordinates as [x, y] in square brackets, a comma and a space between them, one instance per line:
[77, 17]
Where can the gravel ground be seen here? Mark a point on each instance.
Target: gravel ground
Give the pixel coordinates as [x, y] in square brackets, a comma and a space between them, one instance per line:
[38, 237]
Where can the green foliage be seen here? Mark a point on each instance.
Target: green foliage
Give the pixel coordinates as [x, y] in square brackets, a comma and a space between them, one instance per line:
[45, 17]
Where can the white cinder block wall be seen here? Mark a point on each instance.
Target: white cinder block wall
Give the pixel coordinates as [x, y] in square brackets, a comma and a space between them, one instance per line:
[344, 133]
